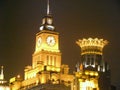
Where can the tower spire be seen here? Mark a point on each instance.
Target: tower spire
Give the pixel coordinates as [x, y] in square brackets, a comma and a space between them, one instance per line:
[47, 21]
[2, 75]
[48, 7]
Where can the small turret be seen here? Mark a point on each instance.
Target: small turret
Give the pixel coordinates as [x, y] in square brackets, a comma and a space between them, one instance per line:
[47, 21]
[92, 53]
[2, 74]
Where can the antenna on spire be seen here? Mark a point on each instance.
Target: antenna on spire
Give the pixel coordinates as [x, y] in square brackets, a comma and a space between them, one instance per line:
[48, 7]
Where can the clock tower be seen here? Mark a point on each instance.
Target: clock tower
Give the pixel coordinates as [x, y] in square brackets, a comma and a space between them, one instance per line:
[47, 51]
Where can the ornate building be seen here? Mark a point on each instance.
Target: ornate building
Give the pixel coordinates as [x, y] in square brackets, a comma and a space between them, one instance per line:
[93, 72]
[46, 60]
[47, 72]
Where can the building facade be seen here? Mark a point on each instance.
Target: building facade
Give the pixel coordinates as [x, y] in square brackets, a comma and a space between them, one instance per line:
[47, 71]
[46, 66]
[92, 73]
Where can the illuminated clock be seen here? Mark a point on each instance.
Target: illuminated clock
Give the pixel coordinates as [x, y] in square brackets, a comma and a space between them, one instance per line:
[51, 40]
[39, 41]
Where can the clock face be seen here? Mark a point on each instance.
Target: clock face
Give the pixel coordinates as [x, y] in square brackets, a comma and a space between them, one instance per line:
[51, 40]
[39, 41]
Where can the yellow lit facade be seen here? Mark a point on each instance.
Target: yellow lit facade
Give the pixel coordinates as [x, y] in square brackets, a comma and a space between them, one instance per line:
[86, 80]
[46, 65]
[46, 61]
[90, 71]
[46, 58]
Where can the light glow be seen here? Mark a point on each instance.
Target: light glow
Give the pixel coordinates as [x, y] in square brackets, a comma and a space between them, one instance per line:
[4, 88]
[87, 85]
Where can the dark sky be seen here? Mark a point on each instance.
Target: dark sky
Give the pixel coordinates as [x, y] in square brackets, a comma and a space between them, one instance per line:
[74, 19]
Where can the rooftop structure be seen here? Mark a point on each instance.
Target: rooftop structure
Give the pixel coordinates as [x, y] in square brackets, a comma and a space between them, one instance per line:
[91, 45]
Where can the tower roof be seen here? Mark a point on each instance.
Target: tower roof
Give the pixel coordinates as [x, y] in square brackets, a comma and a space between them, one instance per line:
[47, 21]
[91, 45]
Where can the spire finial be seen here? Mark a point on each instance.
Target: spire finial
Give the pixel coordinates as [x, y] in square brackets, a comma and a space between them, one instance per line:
[48, 7]
[2, 75]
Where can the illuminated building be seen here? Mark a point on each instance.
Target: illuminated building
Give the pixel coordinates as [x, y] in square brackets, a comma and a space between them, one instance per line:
[46, 60]
[3, 82]
[93, 72]
[47, 72]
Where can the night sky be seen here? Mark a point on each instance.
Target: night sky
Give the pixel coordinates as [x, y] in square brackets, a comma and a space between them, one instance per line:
[74, 19]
